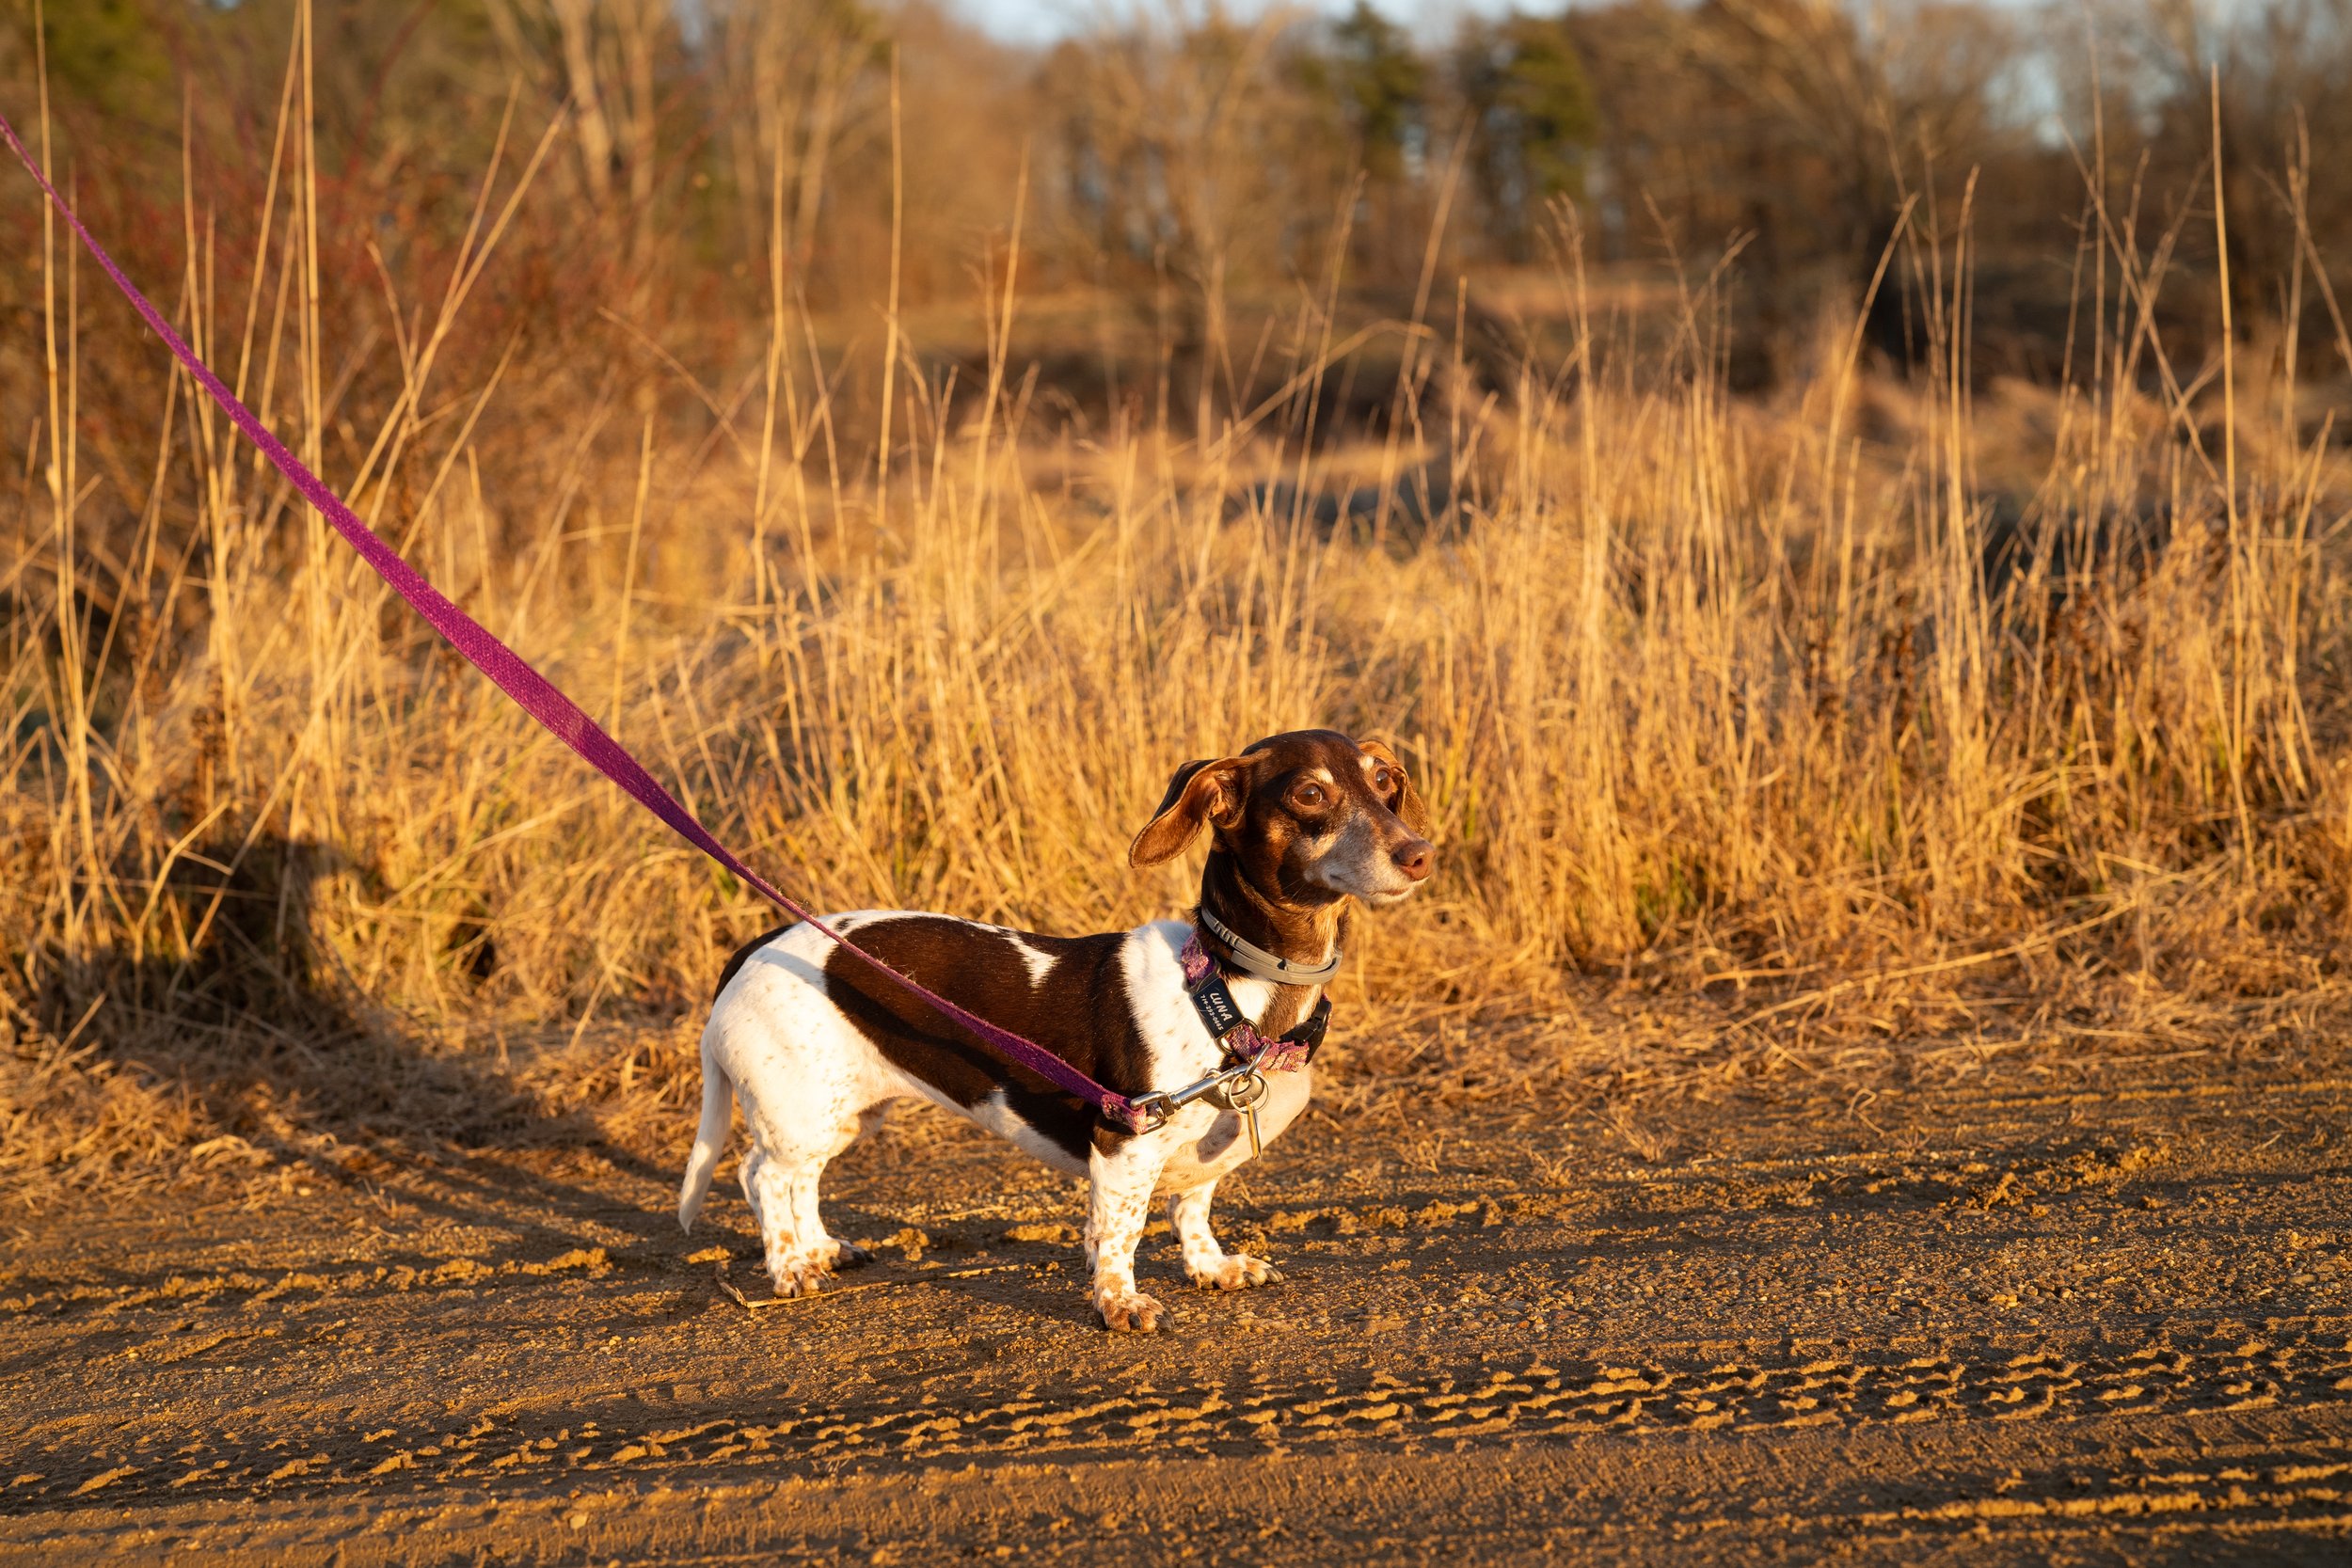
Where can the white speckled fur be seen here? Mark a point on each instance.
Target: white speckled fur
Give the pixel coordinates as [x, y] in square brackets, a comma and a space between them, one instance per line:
[810, 1083]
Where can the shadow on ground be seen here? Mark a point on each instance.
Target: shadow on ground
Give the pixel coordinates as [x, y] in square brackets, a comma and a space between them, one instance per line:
[271, 1044]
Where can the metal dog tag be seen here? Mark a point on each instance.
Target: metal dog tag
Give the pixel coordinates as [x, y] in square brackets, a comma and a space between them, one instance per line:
[1245, 1092]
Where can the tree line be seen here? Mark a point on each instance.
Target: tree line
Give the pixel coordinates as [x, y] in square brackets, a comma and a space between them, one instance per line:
[707, 163]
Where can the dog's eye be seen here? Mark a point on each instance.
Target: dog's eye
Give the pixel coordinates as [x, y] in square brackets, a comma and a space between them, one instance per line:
[1308, 794]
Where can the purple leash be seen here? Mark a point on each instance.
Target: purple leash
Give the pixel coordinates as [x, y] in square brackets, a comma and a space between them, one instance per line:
[539, 698]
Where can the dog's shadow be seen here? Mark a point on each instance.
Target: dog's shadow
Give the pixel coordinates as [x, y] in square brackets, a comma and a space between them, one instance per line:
[238, 1001]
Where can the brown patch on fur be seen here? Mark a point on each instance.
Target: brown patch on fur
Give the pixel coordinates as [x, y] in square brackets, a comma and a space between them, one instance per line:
[1080, 1013]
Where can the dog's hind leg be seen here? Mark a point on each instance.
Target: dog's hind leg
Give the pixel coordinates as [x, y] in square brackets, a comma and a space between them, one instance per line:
[837, 1253]
[798, 1259]
[756, 1189]
[1207, 1264]
[781, 1185]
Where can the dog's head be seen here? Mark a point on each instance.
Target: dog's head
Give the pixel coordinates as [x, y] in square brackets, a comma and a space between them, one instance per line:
[1311, 815]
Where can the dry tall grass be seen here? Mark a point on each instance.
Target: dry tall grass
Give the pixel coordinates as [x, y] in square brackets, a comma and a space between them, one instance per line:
[1812, 709]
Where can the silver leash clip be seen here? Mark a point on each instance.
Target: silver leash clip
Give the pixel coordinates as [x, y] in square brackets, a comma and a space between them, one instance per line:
[1241, 1087]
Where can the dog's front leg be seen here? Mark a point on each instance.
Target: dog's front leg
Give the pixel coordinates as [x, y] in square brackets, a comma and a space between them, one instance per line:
[1207, 1264]
[1118, 1204]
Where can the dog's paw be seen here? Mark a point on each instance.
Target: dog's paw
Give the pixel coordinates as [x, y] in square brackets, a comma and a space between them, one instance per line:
[1129, 1312]
[1235, 1271]
[848, 1254]
[799, 1276]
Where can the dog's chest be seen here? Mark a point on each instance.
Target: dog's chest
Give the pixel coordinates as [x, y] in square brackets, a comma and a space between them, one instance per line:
[1220, 1142]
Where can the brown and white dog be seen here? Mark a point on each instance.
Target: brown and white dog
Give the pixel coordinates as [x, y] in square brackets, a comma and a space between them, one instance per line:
[813, 1045]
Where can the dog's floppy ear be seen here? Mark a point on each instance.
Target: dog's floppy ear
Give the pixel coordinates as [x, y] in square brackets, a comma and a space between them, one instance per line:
[1408, 806]
[1208, 790]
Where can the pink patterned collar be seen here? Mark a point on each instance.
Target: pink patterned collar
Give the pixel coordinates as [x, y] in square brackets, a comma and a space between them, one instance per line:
[1222, 1016]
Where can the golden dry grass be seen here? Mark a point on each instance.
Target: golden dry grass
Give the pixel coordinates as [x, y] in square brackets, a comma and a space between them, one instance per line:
[1744, 748]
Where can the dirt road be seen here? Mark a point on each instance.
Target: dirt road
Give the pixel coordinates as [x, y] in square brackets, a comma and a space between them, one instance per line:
[2054, 1312]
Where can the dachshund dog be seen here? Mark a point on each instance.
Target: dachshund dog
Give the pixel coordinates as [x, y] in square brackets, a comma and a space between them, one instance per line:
[813, 1044]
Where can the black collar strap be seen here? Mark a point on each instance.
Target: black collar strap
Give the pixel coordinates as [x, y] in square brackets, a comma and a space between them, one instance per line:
[1255, 960]
[1213, 999]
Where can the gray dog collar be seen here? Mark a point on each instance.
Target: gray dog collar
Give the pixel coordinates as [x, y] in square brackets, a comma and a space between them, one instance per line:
[1252, 959]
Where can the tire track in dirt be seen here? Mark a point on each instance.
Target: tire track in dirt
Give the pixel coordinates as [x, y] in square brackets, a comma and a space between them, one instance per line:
[2263, 1485]
[2288, 1365]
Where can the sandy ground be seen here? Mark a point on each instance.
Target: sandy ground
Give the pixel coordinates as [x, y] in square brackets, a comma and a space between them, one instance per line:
[2052, 1312]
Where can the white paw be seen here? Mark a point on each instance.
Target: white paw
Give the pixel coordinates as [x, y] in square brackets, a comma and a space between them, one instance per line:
[799, 1273]
[1127, 1312]
[1235, 1271]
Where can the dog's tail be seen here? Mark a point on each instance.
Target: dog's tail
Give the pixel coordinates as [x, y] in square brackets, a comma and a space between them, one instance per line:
[709, 1139]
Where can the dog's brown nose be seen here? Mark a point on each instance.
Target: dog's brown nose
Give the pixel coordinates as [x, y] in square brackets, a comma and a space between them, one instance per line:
[1414, 857]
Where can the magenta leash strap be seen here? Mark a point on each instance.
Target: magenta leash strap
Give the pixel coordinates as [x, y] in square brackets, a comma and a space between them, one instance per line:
[539, 698]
